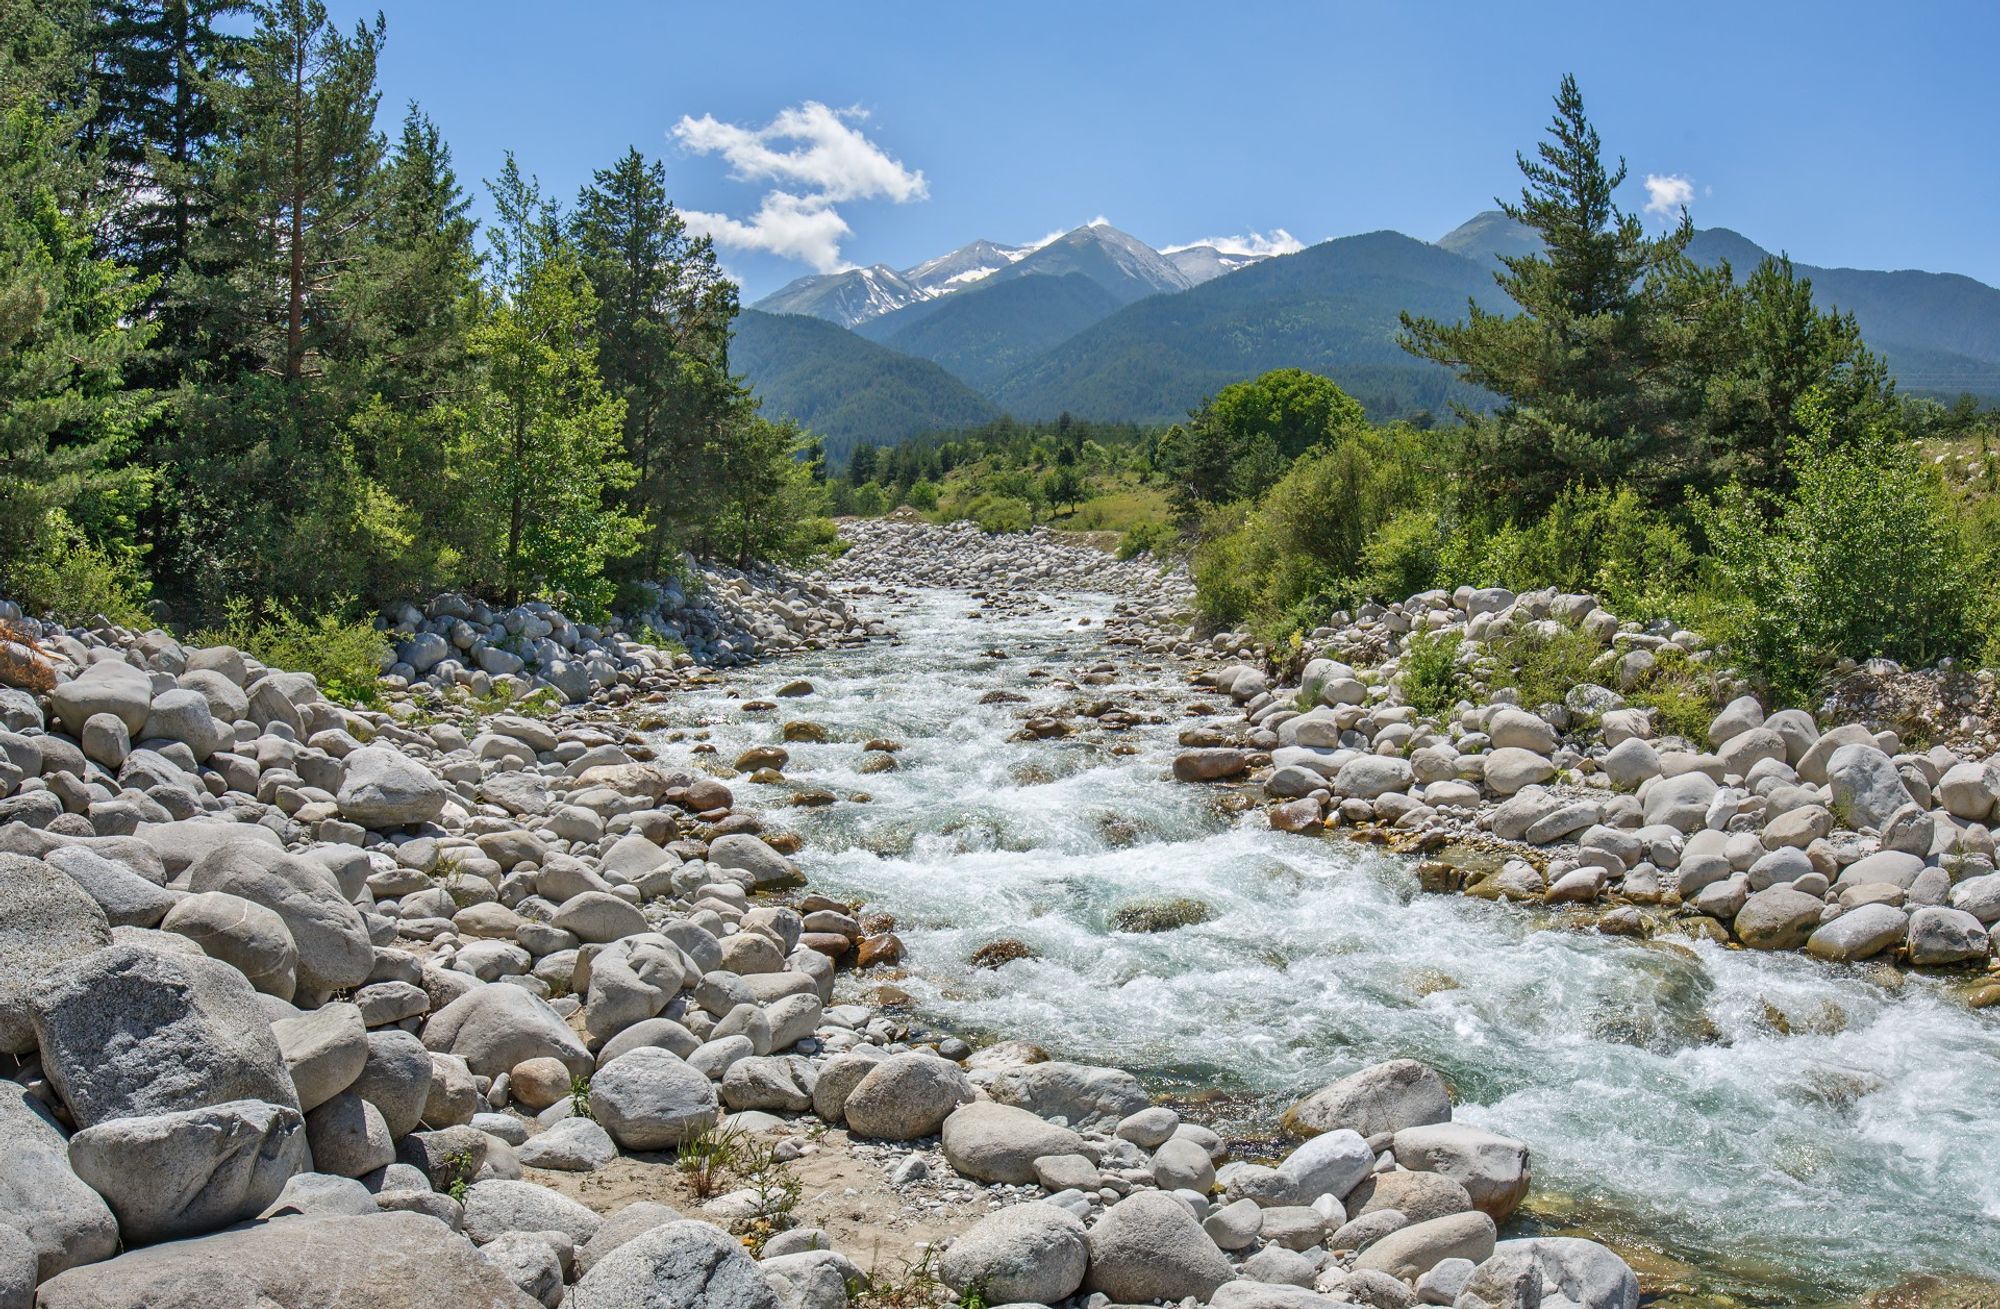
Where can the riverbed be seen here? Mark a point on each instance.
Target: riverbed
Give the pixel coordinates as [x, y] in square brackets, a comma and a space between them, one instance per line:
[1763, 1126]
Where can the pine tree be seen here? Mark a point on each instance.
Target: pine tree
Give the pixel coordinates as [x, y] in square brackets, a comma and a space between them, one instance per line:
[162, 70]
[67, 336]
[663, 315]
[1581, 366]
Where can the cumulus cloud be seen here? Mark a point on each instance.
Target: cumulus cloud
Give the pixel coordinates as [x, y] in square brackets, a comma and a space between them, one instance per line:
[1277, 242]
[1668, 193]
[818, 158]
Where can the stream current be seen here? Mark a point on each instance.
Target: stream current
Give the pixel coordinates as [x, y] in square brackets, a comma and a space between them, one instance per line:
[1763, 1126]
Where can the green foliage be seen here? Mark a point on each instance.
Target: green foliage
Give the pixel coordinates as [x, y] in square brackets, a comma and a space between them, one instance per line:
[1146, 538]
[1433, 680]
[998, 513]
[579, 1098]
[1864, 556]
[1238, 444]
[1682, 695]
[1540, 666]
[68, 577]
[345, 655]
[922, 496]
[1636, 560]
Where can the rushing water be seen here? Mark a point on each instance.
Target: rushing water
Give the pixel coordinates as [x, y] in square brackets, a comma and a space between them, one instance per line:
[1790, 1132]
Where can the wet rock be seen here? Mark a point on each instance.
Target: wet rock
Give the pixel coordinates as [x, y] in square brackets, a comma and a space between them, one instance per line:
[1493, 1169]
[1384, 1097]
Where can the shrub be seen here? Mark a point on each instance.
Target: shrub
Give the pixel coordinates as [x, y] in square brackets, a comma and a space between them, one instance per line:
[1433, 680]
[345, 656]
[999, 513]
[1681, 693]
[1402, 558]
[1540, 666]
[66, 576]
[922, 495]
[1863, 557]
[1146, 538]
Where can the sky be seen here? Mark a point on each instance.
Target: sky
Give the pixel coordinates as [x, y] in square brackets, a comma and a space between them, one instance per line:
[810, 137]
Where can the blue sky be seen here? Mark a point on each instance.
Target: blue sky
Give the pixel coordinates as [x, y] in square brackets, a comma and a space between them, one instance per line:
[1847, 134]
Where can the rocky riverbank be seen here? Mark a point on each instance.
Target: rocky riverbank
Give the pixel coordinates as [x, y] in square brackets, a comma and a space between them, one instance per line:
[1765, 830]
[319, 1006]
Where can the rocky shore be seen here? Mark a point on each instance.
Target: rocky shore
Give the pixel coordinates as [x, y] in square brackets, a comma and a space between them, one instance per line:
[1766, 830]
[303, 1005]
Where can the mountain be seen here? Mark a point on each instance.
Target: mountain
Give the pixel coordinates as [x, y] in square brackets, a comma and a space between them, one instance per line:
[1119, 263]
[1332, 309]
[1205, 263]
[1939, 332]
[982, 335]
[846, 298]
[845, 388]
[964, 266]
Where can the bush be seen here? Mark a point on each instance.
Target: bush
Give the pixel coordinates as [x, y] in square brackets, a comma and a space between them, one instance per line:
[66, 576]
[1541, 667]
[345, 656]
[1863, 557]
[922, 495]
[1681, 694]
[998, 513]
[1433, 680]
[1146, 538]
[1605, 542]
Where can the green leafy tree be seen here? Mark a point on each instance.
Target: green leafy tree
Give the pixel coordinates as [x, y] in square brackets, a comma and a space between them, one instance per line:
[774, 510]
[1583, 369]
[1063, 487]
[542, 449]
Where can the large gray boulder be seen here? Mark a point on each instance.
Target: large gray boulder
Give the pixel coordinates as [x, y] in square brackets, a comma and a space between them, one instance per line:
[127, 897]
[325, 1050]
[182, 1174]
[1573, 1273]
[46, 919]
[396, 1079]
[497, 1206]
[17, 1269]
[999, 1143]
[1332, 1163]
[1384, 1097]
[1149, 1247]
[1410, 1252]
[1860, 933]
[1778, 918]
[1027, 1254]
[1946, 936]
[349, 1137]
[496, 1026]
[1866, 786]
[1493, 1169]
[677, 1265]
[387, 1260]
[185, 716]
[131, 1032]
[1088, 1098]
[384, 788]
[65, 1221]
[242, 933]
[332, 939]
[906, 1096]
[651, 1099]
[111, 687]
[768, 870]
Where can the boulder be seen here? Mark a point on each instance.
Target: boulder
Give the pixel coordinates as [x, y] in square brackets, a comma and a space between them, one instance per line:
[1511, 769]
[46, 920]
[1778, 918]
[1028, 1254]
[1410, 1252]
[349, 1137]
[127, 898]
[1860, 933]
[1573, 1273]
[325, 1049]
[334, 950]
[677, 1265]
[1370, 777]
[396, 1079]
[1332, 1163]
[1210, 764]
[66, 1223]
[1087, 1098]
[1946, 936]
[496, 1026]
[1147, 1247]
[999, 1143]
[381, 788]
[1493, 1169]
[573, 1145]
[906, 1096]
[496, 1206]
[1866, 787]
[168, 1176]
[112, 687]
[651, 1099]
[387, 1260]
[132, 1032]
[1384, 1097]
[744, 853]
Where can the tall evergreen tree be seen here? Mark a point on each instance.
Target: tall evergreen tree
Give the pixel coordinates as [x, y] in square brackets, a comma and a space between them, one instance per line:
[1579, 368]
[163, 70]
[663, 315]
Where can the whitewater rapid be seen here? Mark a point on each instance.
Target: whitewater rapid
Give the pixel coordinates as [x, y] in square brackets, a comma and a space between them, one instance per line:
[1760, 1124]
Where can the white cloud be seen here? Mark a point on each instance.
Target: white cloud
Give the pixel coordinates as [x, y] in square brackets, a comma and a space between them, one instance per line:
[1277, 242]
[1667, 194]
[819, 158]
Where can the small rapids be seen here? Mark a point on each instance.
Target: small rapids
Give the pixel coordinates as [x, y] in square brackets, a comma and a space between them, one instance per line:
[1760, 1125]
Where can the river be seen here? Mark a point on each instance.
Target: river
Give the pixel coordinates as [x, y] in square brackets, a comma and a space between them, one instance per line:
[1758, 1126]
